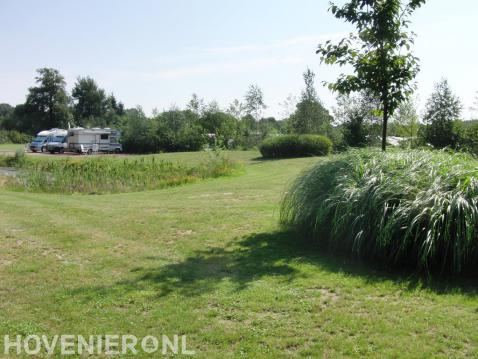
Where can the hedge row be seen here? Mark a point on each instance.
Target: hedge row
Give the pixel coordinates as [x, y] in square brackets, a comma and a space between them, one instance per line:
[295, 146]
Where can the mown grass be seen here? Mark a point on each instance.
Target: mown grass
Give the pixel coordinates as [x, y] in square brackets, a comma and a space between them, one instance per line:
[406, 209]
[11, 146]
[112, 174]
[209, 260]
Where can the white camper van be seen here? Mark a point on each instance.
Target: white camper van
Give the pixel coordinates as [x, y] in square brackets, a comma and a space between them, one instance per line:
[92, 140]
[39, 144]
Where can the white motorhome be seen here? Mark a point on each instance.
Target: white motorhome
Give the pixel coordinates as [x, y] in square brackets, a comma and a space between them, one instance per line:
[92, 140]
[57, 144]
[39, 144]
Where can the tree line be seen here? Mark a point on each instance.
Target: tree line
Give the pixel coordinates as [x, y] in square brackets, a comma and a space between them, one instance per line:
[198, 124]
[356, 121]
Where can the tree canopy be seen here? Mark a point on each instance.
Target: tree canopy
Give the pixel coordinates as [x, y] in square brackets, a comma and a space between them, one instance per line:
[47, 103]
[379, 52]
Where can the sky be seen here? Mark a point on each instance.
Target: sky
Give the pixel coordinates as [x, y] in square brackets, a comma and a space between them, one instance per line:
[158, 53]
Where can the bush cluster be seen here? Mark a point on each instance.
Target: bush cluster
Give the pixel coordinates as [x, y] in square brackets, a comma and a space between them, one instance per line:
[13, 137]
[295, 146]
[407, 209]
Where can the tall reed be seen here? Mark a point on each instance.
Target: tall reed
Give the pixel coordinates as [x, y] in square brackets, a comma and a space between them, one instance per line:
[111, 175]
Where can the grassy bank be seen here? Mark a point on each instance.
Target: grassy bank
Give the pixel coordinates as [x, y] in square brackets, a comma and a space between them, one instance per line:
[208, 260]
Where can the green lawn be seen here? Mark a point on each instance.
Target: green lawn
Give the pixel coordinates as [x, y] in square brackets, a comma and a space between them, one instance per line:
[11, 147]
[208, 260]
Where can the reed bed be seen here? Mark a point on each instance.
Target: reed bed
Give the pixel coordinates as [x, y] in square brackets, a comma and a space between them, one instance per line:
[407, 209]
[113, 175]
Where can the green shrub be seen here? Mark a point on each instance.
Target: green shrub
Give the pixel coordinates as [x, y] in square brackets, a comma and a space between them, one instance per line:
[408, 209]
[466, 135]
[14, 137]
[295, 146]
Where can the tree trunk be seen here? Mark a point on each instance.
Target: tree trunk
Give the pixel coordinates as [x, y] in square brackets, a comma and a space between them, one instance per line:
[384, 126]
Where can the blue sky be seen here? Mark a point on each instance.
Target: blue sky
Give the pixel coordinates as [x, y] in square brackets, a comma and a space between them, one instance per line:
[157, 53]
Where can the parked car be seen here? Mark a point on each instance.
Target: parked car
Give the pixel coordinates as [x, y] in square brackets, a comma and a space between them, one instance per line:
[39, 143]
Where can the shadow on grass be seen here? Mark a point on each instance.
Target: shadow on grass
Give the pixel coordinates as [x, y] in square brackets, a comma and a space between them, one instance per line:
[279, 254]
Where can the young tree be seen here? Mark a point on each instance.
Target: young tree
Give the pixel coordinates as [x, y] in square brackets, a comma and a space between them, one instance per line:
[310, 115]
[254, 102]
[442, 108]
[48, 102]
[379, 52]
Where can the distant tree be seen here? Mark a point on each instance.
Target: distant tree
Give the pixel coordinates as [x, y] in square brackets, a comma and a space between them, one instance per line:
[196, 104]
[310, 115]
[474, 107]
[47, 104]
[212, 106]
[93, 107]
[254, 102]
[179, 130]
[6, 110]
[114, 106]
[223, 125]
[112, 116]
[138, 132]
[442, 108]
[466, 134]
[309, 93]
[288, 106]
[379, 53]
[406, 119]
[357, 115]
[89, 101]
[236, 109]
[269, 126]
[6, 115]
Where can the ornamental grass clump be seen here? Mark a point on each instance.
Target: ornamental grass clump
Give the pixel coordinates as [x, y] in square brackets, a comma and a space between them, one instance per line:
[405, 209]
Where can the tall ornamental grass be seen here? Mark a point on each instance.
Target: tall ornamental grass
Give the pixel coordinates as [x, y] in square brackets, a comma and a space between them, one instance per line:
[111, 175]
[406, 209]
